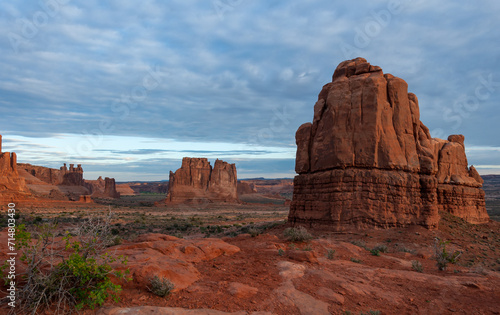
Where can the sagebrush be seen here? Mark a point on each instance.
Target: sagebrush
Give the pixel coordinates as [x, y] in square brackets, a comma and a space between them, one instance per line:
[298, 234]
[66, 273]
[160, 286]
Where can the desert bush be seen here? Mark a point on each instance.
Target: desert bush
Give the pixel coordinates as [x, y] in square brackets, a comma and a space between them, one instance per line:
[355, 260]
[359, 243]
[381, 248]
[299, 234]
[407, 250]
[281, 252]
[444, 257]
[69, 272]
[417, 266]
[375, 252]
[307, 248]
[479, 269]
[370, 312]
[330, 253]
[253, 232]
[161, 286]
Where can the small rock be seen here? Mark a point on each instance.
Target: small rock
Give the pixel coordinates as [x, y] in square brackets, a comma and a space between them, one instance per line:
[303, 256]
[241, 290]
[331, 295]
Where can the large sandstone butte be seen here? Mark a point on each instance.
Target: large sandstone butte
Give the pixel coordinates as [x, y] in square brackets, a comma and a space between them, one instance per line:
[368, 160]
[196, 181]
[12, 186]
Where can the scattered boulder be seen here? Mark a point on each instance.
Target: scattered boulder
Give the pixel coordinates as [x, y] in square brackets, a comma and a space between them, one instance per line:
[302, 256]
[240, 290]
[367, 160]
[196, 182]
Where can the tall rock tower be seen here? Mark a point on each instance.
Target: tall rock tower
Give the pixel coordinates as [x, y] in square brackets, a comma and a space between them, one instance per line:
[368, 160]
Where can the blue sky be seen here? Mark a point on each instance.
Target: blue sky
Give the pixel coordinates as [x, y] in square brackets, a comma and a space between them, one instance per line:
[127, 88]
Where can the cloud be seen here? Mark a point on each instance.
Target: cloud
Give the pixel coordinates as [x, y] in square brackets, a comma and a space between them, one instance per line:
[225, 74]
[191, 152]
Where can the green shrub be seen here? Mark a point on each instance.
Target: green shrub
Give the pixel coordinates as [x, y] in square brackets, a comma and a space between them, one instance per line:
[417, 266]
[281, 252]
[81, 279]
[360, 243]
[161, 286]
[407, 250]
[298, 234]
[330, 253]
[253, 232]
[375, 252]
[355, 260]
[442, 256]
[381, 248]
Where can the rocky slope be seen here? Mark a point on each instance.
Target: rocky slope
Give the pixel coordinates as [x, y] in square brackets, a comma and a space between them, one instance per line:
[248, 275]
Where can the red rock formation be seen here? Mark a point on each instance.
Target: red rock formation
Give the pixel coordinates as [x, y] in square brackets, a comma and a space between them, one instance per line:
[125, 190]
[170, 257]
[85, 199]
[245, 188]
[367, 160]
[196, 181]
[69, 180]
[62, 176]
[12, 187]
[102, 188]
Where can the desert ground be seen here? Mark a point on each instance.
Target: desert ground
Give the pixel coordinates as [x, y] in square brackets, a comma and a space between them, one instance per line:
[248, 266]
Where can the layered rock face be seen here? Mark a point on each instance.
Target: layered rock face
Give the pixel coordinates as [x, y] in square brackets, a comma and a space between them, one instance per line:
[12, 187]
[62, 176]
[368, 160]
[67, 182]
[196, 181]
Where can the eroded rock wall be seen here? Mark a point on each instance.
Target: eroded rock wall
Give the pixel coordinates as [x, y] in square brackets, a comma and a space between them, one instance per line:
[368, 160]
[196, 181]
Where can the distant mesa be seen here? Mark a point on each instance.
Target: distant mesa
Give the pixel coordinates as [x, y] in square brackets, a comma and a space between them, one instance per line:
[245, 188]
[137, 188]
[196, 181]
[367, 160]
[65, 183]
[21, 181]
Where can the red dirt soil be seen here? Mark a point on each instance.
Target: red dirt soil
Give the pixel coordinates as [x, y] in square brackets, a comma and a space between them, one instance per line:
[300, 279]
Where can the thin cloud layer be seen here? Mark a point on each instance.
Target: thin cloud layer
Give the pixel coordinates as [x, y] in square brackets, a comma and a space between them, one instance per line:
[243, 73]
